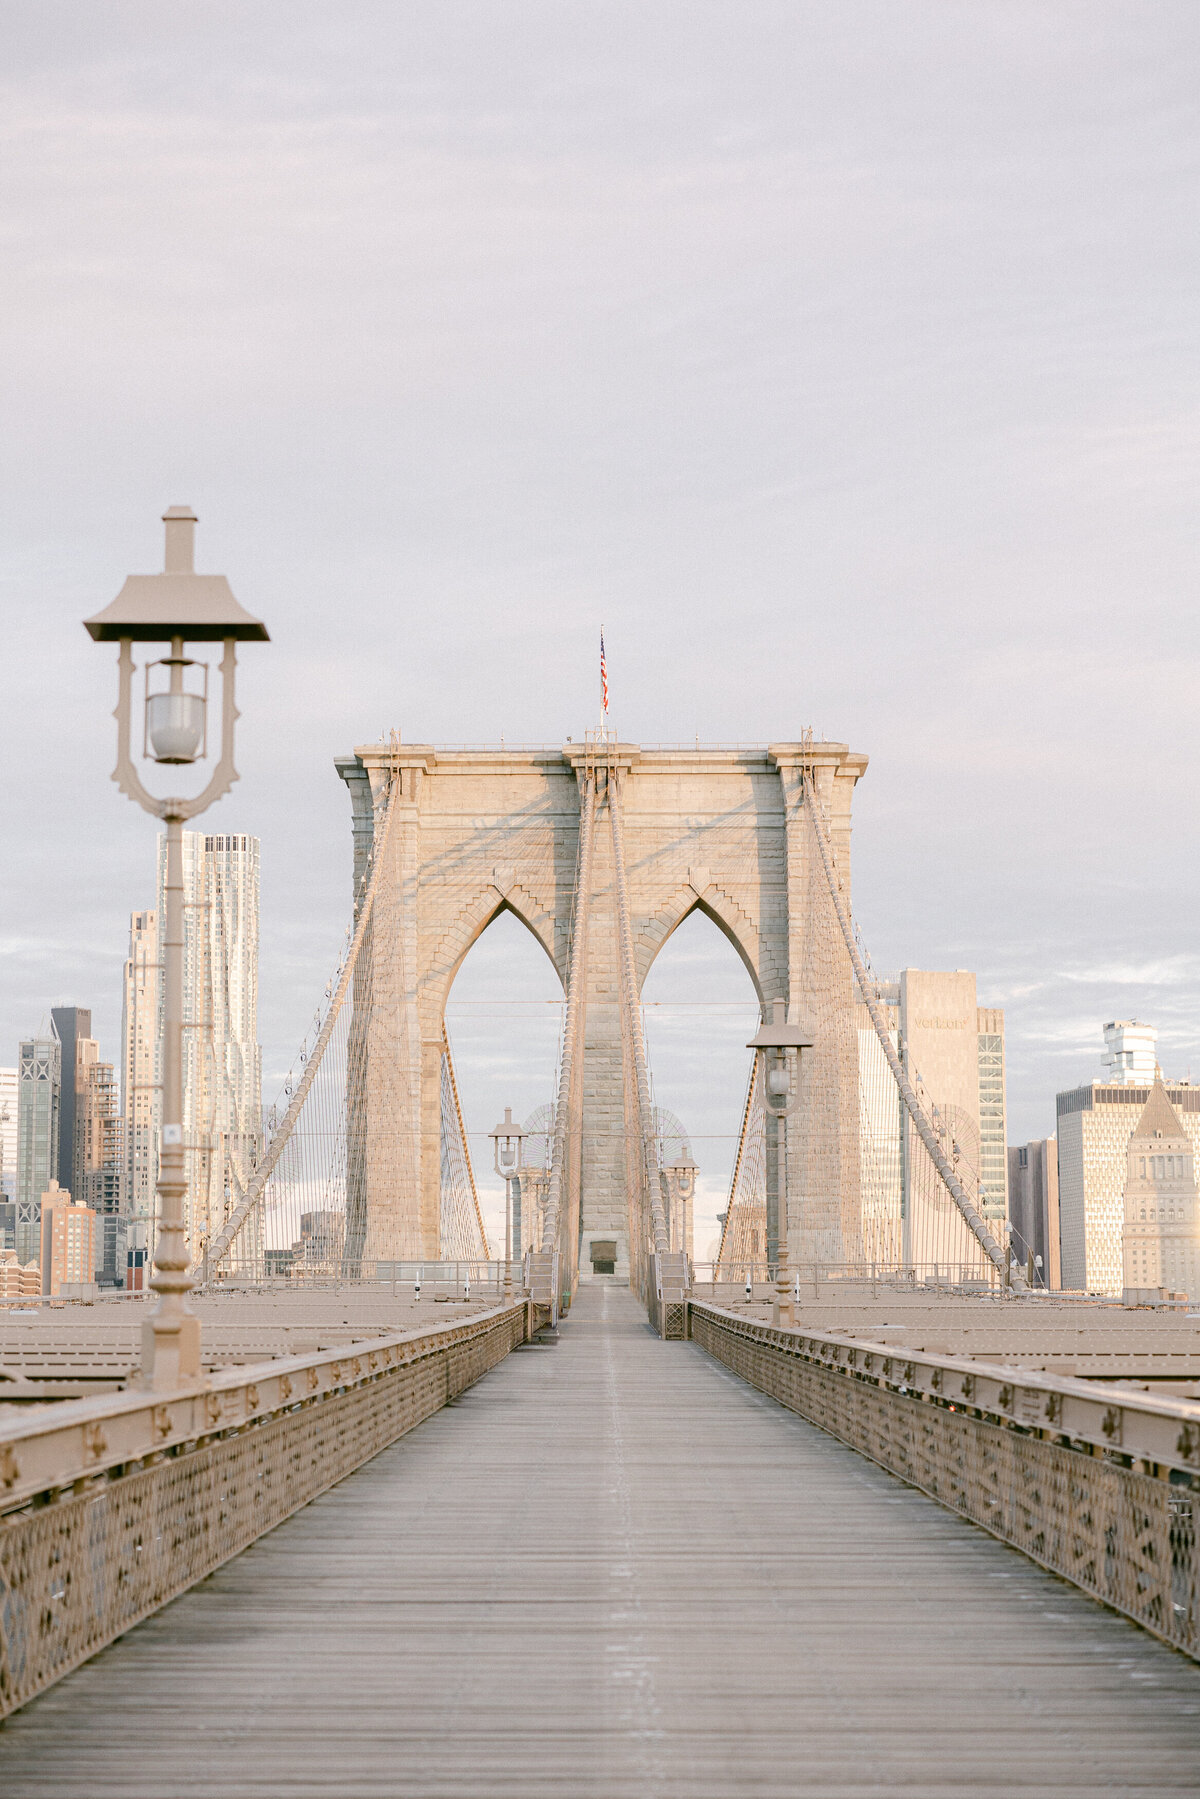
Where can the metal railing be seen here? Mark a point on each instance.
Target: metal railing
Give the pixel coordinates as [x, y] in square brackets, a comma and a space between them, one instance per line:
[1100, 1485]
[463, 1280]
[810, 1279]
[31, 1302]
[110, 1507]
[470, 1278]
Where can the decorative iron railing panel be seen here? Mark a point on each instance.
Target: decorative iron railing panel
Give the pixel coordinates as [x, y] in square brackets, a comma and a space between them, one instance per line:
[114, 1507]
[1098, 1485]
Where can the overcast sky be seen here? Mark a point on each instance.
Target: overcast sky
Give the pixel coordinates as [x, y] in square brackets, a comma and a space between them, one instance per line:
[841, 358]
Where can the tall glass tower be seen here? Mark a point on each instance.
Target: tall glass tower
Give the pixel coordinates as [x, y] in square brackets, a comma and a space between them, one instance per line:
[72, 1025]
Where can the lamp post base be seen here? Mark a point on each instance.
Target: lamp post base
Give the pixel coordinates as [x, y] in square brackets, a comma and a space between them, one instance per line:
[171, 1355]
[783, 1310]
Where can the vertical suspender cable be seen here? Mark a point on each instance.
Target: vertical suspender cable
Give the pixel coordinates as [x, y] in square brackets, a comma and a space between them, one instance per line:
[576, 1008]
[652, 1201]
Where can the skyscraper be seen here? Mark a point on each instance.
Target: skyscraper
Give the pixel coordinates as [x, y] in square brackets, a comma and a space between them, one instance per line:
[71, 1025]
[1095, 1123]
[8, 1136]
[8, 1159]
[1160, 1250]
[952, 1049]
[957, 1048]
[141, 1075]
[98, 1179]
[222, 1061]
[68, 1241]
[89, 1128]
[39, 1082]
[1033, 1208]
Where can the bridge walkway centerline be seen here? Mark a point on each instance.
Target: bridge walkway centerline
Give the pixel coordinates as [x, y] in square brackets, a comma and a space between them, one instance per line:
[611, 1568]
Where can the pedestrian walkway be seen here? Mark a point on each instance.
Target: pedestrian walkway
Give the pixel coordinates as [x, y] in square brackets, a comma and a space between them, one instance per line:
[611, 1569]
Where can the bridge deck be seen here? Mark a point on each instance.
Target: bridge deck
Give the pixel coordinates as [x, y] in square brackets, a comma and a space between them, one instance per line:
[612, 1569]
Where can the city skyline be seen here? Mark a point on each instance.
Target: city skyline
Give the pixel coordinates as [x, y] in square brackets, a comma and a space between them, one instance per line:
[93, 1124]
[1128, 1051]
[1128, 1054]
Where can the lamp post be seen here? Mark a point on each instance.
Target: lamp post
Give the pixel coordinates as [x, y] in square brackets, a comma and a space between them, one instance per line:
[681, 1177]
[175, 608]
[780, 1044]
[508, 1141]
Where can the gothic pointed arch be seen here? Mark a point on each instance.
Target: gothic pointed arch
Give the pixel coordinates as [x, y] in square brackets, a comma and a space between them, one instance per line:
[498, 895]
[700, 894]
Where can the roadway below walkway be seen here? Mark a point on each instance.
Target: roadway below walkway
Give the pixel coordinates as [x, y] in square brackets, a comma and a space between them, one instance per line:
[611, 1569]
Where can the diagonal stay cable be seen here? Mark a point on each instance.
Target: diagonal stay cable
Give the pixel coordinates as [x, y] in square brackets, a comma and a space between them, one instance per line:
[255, 1187]
[958, 1193]
[464, 1143]
[739, 1158]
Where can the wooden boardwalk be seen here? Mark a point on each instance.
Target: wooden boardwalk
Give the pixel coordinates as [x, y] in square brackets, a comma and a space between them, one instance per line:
[611, 1569]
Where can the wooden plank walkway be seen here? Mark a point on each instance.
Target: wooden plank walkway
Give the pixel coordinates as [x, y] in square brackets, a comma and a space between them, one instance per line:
[611, 1569]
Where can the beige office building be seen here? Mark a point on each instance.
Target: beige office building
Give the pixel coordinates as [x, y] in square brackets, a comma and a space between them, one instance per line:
[1095, 1124]
[97, 1170]
[68, 1241]
[1161, 1252]
[953, 1051]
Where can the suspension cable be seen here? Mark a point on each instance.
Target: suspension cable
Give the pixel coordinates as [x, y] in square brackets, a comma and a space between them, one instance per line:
[220, 1245]
[971, 1217]
[464, 1143]
[739, 1159]
[651, 1175]
[576, 1007]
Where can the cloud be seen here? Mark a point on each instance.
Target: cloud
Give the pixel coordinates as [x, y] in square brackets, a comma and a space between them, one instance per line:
[1171, 971]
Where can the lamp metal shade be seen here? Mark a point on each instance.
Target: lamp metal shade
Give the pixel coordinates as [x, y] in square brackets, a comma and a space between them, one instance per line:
[155, 608]
[177, 603]
[779, 1034]
[508, 1127]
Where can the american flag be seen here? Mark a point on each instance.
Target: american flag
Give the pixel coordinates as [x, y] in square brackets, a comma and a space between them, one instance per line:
[603, 675]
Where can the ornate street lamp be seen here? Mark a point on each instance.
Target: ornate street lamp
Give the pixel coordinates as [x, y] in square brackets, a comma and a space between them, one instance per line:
[508, 1143]
[175, 608]
[780, 1044]
[681, 1182]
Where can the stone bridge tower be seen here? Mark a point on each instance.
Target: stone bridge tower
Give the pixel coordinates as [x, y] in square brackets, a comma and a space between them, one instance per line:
[479, 831]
